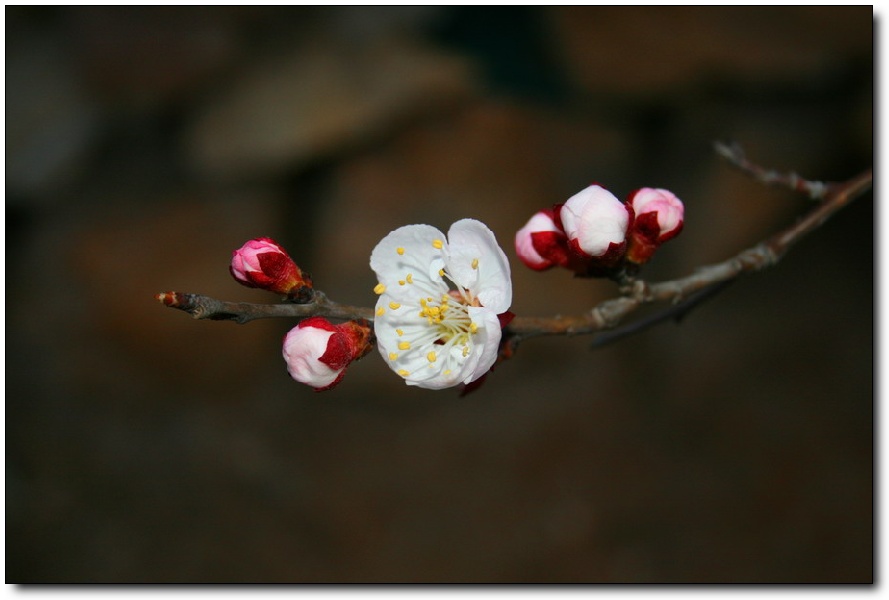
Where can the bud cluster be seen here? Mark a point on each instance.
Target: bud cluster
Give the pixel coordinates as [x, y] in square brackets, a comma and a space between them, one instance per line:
[594, 234]
[443, 300]
[316, 351]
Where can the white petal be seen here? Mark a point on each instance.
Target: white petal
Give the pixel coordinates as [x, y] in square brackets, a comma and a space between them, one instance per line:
[408, 250]
[421, 371]
[486, 341]
[394, 328]
[478, 264]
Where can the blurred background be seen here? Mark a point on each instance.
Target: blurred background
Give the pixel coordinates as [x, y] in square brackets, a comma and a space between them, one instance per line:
[143, 145]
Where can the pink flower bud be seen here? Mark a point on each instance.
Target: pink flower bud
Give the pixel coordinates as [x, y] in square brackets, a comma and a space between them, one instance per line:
[317, 352]
[659, 217]
[262, 263]
[596, 224]
[542, 244]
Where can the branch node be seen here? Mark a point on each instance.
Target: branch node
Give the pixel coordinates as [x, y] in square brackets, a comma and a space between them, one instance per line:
[641, 291]
[609, 313]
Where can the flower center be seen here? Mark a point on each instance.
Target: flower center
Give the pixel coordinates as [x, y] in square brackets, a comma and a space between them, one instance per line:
[449, 317]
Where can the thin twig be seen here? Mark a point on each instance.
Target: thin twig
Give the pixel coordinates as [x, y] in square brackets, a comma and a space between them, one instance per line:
[734, 154]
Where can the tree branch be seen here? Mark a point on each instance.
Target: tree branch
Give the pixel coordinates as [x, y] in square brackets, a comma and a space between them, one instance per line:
[205, 307]
[677, 312]
[683, 293]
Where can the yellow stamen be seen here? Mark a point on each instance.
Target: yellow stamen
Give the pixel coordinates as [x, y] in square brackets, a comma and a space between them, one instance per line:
[431, 357]
[399, 332]
[394, 305]
[393, 356]
[404, 345]
[381, 311]
[379, 289]
[401, 282]
[473, 328]
[403, 373]
[441, 272]
[437, 244]
[447, 372]
[465, 351]
[475, 263]
[400, 251]
[409, 278]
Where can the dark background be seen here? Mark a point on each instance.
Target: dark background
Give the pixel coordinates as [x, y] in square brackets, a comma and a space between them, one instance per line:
[144, 144]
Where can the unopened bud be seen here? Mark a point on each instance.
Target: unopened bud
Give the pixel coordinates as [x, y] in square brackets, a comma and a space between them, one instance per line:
[596, 224]
[317, 352]
[659, 217]
[542, 244]
[263, 263]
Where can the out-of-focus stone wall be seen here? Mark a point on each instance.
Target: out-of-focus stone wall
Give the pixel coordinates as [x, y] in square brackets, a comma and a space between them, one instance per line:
[144, 144]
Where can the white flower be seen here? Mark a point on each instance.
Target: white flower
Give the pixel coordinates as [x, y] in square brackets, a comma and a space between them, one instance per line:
[436, 318]
[595, 221]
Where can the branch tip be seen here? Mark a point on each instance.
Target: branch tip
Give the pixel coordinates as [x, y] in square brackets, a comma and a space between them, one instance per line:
[171, 299]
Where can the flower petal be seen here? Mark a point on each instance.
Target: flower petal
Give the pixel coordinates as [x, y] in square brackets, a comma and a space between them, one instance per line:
[477, 263]
[486, 341]
[407, 262]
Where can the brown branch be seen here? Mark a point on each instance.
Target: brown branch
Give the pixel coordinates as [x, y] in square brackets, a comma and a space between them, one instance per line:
[205, 307]
[675, 312]
[610, 313]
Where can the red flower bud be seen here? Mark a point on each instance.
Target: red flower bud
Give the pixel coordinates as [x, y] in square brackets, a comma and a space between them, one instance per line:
[262, 263]
[317, 352]
[659, 217]
[541, 243]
